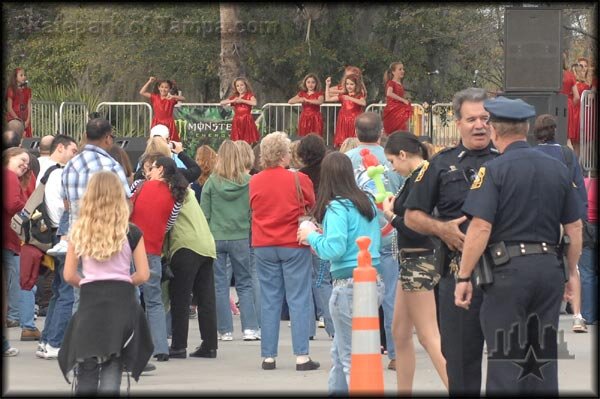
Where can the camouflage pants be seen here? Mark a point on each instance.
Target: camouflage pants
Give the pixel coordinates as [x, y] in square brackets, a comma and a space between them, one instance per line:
[417, 273]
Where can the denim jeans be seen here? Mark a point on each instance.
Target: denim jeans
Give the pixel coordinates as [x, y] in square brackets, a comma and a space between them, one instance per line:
[155, 311]
[239, 255]
[60, 307]
[284, 271]
[12, 270]
[340, 305]
[588, 271]
[63, 224]
[389, 275]
[322, 291]
[255, 285]
[99, 379]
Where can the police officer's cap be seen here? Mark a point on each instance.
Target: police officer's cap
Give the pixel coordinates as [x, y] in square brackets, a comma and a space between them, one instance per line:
[502, 109]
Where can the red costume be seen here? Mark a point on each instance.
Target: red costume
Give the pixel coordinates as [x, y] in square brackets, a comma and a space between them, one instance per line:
[396, 113]
[344, 127]
[243, 126]
[163, 114]
[20, 105]
[311, 120]
[574, 111]
[568, 81]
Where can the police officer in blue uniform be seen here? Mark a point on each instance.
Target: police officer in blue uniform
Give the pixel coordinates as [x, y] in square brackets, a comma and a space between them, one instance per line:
[441, 188]
[517, 203]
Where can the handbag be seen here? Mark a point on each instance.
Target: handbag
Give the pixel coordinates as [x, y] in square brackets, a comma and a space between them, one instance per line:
[304, 213]
[165, 263]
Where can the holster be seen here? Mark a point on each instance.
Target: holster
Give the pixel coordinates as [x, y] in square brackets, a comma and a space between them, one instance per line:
[563, 248]
[441, 257]
[484, 271]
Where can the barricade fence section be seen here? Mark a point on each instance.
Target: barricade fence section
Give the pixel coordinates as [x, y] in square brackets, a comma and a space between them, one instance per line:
[129, 119]
[444, 132]
[72, 119]
[44, 117]
[416, 124]
[280, 117]
[588, 132]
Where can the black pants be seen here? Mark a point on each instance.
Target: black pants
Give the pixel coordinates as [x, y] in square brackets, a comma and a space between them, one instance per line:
[99, 379]
[523, 306]
[462, 340]
[193, 273]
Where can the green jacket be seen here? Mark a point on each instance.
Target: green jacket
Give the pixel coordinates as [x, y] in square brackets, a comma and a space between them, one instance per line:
[191, 230]
[226, 207]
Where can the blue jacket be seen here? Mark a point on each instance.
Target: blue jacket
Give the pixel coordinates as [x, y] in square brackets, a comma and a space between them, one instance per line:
[342, 225]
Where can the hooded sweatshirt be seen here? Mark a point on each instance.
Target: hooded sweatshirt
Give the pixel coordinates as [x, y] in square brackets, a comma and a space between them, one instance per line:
[227, 208]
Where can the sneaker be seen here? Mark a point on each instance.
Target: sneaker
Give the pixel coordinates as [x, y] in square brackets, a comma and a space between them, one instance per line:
[59, 248]
[41, 350]
[250, 335]
[51, 352]
[392, 365]
[228, 336]
[10, 352]
[579, 325]
[321, 322]
[193, 313]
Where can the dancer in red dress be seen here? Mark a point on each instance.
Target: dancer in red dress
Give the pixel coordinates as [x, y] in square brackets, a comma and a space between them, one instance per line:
[311, 98]
[163, 103]
[349, 70]
[398, 109]
[574, 112]
[18, 100]
[242, 100]
[353, 104]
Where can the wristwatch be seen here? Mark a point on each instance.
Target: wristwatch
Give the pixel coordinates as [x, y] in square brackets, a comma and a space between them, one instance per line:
[463, 279]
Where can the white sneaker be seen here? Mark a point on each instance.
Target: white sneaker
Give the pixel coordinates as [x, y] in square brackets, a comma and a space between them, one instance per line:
[41, 350]
[51, 352]
[250, 335]
[59, 248]
[228, 336]
[321, 322]
[10, 352]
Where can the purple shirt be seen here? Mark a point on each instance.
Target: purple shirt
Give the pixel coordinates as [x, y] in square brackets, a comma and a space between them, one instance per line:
[115, 268]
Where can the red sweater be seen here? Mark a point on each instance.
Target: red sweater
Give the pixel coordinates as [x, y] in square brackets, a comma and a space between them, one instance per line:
[152, 206]
[275, 207]
[13, 202]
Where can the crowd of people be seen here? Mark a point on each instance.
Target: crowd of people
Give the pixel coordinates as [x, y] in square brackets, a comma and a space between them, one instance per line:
[162, 238]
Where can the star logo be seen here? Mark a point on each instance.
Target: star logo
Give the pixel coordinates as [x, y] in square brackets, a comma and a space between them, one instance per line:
[531, 365]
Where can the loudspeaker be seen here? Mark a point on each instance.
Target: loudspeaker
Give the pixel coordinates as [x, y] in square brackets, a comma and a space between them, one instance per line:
[532, 49]
[554, 104]
[134, 146]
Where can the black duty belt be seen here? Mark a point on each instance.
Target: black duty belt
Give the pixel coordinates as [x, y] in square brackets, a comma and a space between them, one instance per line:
[414, 255]
[524, 249]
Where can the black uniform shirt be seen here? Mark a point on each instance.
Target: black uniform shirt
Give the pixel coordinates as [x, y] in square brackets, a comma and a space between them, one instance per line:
[444, 183]
[525, 195]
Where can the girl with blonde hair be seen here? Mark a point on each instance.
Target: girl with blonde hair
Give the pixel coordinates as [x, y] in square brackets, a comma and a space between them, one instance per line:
[109, 328]
[206, 158]
[246, 153]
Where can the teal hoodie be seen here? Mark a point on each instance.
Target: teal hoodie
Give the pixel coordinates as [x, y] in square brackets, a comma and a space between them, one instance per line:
[227, 208]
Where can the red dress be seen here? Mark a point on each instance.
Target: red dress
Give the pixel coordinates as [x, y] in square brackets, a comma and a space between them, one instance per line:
[243, 126]
[163, 114]
[311, 120]
[568, 81]
[344, 127]
[20, 104]
[574, 110]
[396, 113]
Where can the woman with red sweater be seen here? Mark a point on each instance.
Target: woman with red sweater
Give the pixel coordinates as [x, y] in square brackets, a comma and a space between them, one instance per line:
[155, 205]
[283, 265]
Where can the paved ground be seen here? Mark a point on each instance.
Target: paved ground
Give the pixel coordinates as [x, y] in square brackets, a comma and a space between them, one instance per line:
[237, 372]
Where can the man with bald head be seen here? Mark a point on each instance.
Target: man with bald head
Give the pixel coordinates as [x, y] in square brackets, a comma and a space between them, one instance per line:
[44, 147]
[368, 131]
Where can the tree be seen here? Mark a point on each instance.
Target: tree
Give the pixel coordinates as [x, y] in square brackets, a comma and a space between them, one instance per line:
[230, 65]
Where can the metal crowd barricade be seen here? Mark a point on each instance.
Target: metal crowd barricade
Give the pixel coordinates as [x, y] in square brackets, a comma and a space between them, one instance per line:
[280, 117]
[72, 118]
[330, 113]
[588, 132]
[44, 117]
[416, 124]
[444, 132]
[129, 119]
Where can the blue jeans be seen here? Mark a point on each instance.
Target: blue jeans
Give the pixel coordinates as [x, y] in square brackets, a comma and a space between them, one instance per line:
[284, 271]
[60, 307]
[322, 291]
[102, 380]
[588, 271]
[255, 285]
[239, 255]
[63, 224]
[12, 269]
[340, 305]
[155, 311]
[389, 275]
[27, 308]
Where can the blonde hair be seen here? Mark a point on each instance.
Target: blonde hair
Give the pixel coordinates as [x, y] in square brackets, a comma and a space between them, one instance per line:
[273, 147]
[246, 153]
[229, 164]
[206, 158]
[387, 75]
[101, 229]
[348, 144]
[295, 162]
[158, 144]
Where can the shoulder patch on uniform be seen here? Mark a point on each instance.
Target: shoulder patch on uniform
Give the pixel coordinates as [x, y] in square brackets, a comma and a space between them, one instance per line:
[479, 179]
[422, 171]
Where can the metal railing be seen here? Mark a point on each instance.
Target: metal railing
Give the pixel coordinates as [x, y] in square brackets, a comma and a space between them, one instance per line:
[72, 118]
[588, 132]
[444, 132]
[416, 124]
[281, 117]
[44, 117]
[129, 119]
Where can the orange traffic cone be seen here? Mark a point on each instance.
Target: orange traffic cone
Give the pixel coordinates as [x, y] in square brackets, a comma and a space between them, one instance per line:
[366, 371]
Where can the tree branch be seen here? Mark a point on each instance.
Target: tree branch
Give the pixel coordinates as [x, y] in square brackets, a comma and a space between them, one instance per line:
[581, 31]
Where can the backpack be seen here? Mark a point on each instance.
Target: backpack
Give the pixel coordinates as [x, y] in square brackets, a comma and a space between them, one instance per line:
[32, 224]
